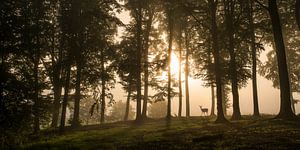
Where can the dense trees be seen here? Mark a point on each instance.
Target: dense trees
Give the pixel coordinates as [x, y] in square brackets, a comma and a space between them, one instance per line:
[57, 54]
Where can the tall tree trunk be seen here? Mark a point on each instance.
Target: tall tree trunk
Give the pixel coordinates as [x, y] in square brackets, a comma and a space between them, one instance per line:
[37, 54]
[66, 93]
[293, 103]
[146, 65]
[179, 74]
[218, 73]
[56, 104]
[297, 12]
[76, 47]
[229, 12]
[291, 92]
[285, 100]
[170, 26]
[128, 99]
[253, 55]
[186, 74]
[138, 56]
[224, 102]
[103, 94]
[57, 88]
[75, 121]
[212, 112]
[56, 74]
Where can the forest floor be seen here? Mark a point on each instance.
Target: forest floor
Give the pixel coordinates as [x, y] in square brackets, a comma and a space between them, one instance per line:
[179, 133]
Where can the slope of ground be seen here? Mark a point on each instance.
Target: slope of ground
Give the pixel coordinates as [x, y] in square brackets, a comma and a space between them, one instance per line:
[180, 133]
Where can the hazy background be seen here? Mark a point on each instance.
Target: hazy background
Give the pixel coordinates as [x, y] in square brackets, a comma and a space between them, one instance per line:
[268, 97]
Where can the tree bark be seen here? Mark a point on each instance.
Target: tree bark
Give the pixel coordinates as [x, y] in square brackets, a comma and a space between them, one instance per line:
[285, 100]
[297, 12]
[103, 94]
[57, 88]
[179, 74]
[224, 102]
[128, 100]
[218, 73]
[170, 26]
[253, 56]
[146, 65]
[75, 121]
[229, 12]
[66, 93]
[56, 103]
[186, 74]
[212, 112]
[138, 56]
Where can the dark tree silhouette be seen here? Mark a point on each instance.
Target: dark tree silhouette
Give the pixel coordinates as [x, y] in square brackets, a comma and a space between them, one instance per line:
[285, 101]
[215, 46]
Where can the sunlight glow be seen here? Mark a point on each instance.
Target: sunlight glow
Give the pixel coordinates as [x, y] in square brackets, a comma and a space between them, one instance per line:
[174, 69]
[174, 65]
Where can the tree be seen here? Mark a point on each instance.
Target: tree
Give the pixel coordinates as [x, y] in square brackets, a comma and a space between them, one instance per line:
[170, 19]
[250, 12]
[229, 8]
[297, 12]
[216, 54]
[186, 74]
[285, 101]
[150, 8]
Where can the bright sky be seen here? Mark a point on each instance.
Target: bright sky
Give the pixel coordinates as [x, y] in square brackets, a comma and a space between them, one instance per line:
[269, 98]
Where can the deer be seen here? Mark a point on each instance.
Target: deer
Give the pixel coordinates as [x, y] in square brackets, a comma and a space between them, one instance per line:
[204, 110]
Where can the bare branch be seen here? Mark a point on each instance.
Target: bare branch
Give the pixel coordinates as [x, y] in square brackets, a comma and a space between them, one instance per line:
[262, 5]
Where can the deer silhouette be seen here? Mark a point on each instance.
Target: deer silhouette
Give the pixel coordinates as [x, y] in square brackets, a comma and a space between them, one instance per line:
[203, 110]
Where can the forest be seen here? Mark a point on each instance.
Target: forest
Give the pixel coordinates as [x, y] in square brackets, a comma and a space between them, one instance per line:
[64, 61]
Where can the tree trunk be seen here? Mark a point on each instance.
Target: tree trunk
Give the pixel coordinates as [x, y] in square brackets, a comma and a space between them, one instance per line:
[128, 100]
[56, 103]
[253, 55]
[56, 76]
[170, 26]
[224, 102]
[146, 65]
[218, 73]
[186, 74]
[103, 94]
[285, 100]
[138, 56]
[66, 93]
[212, 112]
[297, 12]
[293, 104]
[229, 12]
[179, 74]
[75, 121]
[57, 88]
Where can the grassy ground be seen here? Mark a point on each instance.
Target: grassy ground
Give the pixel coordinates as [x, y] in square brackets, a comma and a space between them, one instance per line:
[180, 133]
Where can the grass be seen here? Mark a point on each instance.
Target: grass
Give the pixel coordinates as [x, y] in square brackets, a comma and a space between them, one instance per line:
[180, 133]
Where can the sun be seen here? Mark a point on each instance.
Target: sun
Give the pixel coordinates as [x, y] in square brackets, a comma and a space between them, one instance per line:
[174, 69]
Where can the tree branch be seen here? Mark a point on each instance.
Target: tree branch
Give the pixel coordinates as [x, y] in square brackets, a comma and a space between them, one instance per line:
[262, 5]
